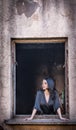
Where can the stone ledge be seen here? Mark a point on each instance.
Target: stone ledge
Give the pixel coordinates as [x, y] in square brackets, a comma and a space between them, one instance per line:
[20, 121]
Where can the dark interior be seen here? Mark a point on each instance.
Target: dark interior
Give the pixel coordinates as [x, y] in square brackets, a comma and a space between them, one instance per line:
[30, 57]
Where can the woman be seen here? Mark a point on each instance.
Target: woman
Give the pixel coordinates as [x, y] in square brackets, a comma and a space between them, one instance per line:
[47, 100]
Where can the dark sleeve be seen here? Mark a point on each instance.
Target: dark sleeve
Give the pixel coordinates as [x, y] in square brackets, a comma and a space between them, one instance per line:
[37, 101]
[56, 102]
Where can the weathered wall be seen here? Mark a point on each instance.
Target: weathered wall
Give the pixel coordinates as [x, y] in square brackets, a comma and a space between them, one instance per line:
[50, 18]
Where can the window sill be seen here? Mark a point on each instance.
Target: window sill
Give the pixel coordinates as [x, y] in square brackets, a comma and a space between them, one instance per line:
[36, 121]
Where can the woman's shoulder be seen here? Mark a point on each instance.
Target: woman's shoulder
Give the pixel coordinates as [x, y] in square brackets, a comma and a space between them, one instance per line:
[56, 93]
[39, 92]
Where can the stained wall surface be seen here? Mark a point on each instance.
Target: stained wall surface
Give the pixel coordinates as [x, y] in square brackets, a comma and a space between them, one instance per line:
[39, 18]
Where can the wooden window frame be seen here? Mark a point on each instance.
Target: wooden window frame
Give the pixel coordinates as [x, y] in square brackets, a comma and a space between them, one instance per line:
[15, 41]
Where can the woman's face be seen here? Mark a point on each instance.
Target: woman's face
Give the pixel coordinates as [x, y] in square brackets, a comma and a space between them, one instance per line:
[44, 84]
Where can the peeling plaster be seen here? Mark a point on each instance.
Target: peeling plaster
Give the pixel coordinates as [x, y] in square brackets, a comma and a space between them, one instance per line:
[28, 7]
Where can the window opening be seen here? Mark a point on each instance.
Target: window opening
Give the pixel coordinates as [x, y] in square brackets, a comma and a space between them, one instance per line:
[33, 62]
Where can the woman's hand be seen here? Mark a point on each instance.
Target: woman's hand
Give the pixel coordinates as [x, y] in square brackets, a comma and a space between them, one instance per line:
[28, 119]
[60, 115]
[64, 119]
[32, 116]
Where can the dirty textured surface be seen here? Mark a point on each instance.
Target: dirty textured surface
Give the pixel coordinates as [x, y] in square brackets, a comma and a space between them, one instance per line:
[28, 7]
[35, 18]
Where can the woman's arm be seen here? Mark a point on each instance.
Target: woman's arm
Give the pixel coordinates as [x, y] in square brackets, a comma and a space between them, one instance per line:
[36, 105]
[32, 115]
[60, 115]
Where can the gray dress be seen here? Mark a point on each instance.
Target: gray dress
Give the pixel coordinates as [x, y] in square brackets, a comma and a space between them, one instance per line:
[43, 107]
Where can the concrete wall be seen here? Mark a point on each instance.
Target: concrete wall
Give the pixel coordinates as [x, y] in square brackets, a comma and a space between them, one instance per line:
[50, 18]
